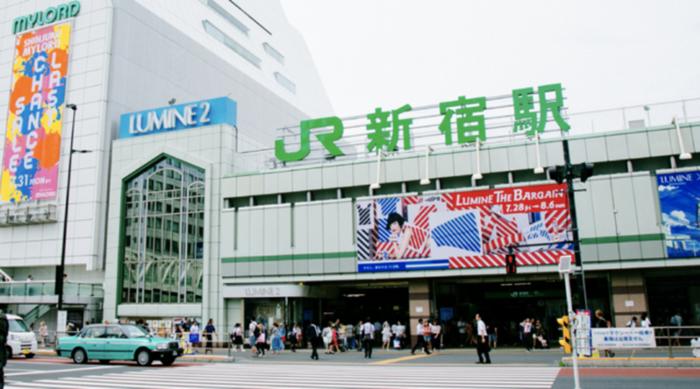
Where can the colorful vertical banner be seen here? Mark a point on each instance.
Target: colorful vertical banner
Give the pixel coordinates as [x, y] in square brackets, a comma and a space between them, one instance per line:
[464, 229]
[679, 196]
[35, 115]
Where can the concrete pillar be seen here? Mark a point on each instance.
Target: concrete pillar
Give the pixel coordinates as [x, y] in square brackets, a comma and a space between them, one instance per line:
[419, 305]
[627, 296]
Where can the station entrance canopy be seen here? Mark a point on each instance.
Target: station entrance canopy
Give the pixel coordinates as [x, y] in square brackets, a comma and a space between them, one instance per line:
[462, 121]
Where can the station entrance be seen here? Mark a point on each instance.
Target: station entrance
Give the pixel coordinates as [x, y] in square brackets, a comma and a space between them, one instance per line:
[379, 301]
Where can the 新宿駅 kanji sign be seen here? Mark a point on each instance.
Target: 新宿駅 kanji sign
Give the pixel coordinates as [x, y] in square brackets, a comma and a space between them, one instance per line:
[385, 127]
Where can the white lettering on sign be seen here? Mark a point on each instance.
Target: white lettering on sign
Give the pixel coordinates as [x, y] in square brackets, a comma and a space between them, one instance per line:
[271, 291]
[168, 119]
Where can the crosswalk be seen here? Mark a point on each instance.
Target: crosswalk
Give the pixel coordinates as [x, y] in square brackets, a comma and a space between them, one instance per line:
[284, 376]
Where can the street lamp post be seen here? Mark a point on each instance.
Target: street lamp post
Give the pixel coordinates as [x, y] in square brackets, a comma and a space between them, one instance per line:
[61, 268]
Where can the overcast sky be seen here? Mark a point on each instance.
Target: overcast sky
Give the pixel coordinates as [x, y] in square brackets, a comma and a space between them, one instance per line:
[607, 54]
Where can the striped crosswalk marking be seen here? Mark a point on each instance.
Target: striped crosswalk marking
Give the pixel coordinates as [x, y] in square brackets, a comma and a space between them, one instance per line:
[279, 376]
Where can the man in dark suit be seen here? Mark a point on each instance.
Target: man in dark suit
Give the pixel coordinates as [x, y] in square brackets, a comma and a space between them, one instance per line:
[313, 335]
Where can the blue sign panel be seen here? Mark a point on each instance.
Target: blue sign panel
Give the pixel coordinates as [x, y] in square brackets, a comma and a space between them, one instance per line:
[679, 195]
[178, 117]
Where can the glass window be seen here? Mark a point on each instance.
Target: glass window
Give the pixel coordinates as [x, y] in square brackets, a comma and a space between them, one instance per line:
[273, 53]
[282, 80]
[17, 325]
[227, 16]
[163, 241]
[231, 44]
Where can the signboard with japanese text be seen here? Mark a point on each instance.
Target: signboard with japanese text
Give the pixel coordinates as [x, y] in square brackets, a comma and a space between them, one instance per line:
[35, 115]
[679, 196]
[608, 338]
[583, 332]
[462, 122]
[464, 229]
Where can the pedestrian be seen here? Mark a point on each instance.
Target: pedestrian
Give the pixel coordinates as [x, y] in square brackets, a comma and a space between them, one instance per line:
[186, 325]
[252, 329]
[194, 334]
[327, 338]
[646, 323]
[427, 336]
[296, 340]
[600, 322]
[483, 347]
[350, 335]
[358, 335]
[677, 320]
[312, 336]
[527, 334]
[260, 341]
[436, 333]
[237, 337]
[540, 335]
[334, 337]
[471, 338]
[420, 342]
[386, 336]
[462, 329]
[43, 333]
[4, 326]
[209, 330]
[276, 339]
[368, 337]
[632, 323]
[400, 334]
[493, 336]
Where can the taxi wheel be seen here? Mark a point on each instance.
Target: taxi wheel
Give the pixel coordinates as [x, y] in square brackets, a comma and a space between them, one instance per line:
[143, 357]
[29, 356]
[167, 361]
[79, 356]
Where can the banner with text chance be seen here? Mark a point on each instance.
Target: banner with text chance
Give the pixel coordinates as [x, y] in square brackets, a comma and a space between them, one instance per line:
[464, 229]
[679, 196]
[35, 115]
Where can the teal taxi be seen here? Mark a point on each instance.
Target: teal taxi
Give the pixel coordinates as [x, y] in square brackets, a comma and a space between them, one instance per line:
[118, 342]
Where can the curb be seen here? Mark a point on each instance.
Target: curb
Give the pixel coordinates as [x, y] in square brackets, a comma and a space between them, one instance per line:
[634, 362]
[214, 359]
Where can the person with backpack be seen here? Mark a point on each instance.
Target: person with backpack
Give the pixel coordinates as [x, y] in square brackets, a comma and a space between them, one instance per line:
[260, 341]
[312, 335]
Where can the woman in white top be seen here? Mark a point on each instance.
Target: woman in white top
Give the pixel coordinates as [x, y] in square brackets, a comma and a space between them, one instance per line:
[328, 339]
[386, 336]
[436, 330]
[646, 323]
[194, 329]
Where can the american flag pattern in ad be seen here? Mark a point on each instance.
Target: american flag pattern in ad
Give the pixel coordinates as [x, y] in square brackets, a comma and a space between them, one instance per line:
[459, 230]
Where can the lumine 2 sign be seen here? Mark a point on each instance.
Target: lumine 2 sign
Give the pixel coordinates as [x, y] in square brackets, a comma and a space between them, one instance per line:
[50, 15]
[385, 127]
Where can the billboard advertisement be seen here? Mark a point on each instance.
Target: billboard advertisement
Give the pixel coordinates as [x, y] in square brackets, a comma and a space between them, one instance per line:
[35, 115]
[463, 229]
[679, 196]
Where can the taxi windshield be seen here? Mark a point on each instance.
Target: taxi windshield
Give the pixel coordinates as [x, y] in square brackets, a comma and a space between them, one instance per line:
[134, 331]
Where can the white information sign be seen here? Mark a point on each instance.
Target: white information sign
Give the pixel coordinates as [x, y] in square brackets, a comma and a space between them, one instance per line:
[61, 321]
[607, 338]
[583, 324]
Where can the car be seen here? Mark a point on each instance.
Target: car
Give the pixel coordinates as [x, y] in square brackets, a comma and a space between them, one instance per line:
[118, 342]
[20, 341]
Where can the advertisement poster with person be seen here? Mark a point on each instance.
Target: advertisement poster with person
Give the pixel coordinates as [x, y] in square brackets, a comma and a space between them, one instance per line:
[679, 196]
[35, 114]
[464, 229]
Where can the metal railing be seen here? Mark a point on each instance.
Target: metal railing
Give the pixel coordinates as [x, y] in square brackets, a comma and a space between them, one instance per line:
[47, 288]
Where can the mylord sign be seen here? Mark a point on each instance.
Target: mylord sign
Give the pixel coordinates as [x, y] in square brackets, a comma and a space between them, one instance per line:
[385, 127]
[203, 113]
[48, 16]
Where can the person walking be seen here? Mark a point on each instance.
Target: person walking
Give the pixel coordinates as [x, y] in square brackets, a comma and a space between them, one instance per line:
[386, 336]
[368, 337]
[276, 339]
[260, 341]
[194, 331]
[251, 335]
[427, 336]
[436, 333]
[295, 337]
[4, 326]
[646, 323]
[420, 343]
[209, 331]
[350, 335]
[237, 337]
[677, 320]
[493, 336]
[600, 322]
[312, 336]
[358, 334]
[327, 338]
[483, 347]
[527, 334]
[43, 333]
[401, 334]
[462, 329]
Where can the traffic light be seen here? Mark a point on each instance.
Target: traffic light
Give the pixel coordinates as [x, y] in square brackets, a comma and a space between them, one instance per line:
[557, 173]
[511, 264]
[586, 171]
[566, 332]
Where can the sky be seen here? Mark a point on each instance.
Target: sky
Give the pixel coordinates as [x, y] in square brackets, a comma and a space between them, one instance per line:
[606, 54]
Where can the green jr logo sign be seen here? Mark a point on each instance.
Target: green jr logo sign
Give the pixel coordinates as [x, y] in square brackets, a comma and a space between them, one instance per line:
[52, 14]
[385, 127]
